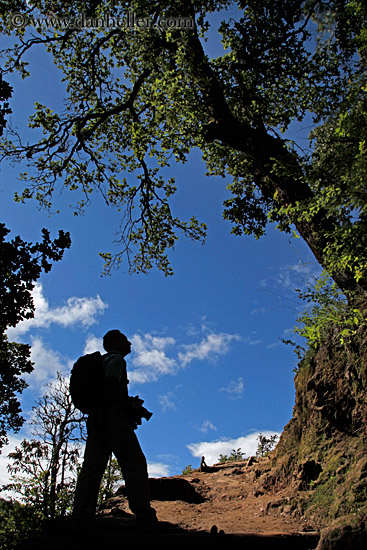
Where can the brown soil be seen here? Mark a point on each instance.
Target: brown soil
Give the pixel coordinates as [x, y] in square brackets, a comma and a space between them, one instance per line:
[232, 505]
[234, 498]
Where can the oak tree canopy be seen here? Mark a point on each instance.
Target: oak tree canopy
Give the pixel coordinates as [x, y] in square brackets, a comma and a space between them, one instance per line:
[139, 100]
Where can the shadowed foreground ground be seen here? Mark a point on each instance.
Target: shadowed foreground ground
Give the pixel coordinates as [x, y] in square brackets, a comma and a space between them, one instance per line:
[114, 533]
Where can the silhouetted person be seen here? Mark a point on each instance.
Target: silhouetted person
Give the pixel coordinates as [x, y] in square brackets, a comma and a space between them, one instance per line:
[203, 465]
[110, 431]
[205, 468]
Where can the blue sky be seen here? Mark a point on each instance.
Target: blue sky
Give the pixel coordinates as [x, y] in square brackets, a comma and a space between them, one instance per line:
[207, 356]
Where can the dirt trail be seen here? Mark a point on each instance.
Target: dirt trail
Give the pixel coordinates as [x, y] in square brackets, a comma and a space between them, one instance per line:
[231, 497]
[231, 506]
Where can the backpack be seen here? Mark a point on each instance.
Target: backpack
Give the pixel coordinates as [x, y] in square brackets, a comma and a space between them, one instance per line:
[86, 381]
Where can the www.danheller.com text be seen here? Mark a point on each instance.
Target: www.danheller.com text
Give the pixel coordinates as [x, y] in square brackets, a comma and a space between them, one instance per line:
[131, 21]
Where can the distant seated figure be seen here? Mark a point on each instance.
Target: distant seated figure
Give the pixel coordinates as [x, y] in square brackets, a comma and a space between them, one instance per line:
[251, 461]
[203, 465]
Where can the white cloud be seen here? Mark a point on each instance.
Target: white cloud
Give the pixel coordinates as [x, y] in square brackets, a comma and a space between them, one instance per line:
[166, 402]
[285, 279]
[151, 351]
[14, 441]
[76, 311]
[204, 328]
[93, 343]
[46, 364]
[210, 346]
[150, 359]
[206, 426]
[274, 345]
[234, 389]
[157, 469]
[211, 450]
[255, 342]
[299, 275]
[259, 310]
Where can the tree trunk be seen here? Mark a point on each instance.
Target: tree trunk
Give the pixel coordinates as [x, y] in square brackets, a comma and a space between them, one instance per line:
[290, 190]
[262, 148]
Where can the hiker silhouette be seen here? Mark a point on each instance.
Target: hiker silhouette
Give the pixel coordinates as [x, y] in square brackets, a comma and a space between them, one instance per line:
[110, 430]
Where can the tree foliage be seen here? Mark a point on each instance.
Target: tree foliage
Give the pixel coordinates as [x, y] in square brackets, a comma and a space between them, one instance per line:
[266, 444]
[5, 95]
[112, 479]
[326, 315]
[44, 469]
[17, 522]
[21, 264]
[236, 456]
[139, 100]
[328, 312]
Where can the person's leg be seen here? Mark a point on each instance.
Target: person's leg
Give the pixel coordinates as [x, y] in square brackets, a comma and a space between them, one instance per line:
[133, 464]
[95, 461]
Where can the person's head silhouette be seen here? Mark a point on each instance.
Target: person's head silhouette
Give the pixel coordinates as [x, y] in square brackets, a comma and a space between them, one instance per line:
[114, 340]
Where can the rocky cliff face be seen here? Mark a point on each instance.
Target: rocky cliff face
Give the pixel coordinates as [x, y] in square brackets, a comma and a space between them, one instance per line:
[322, 449]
